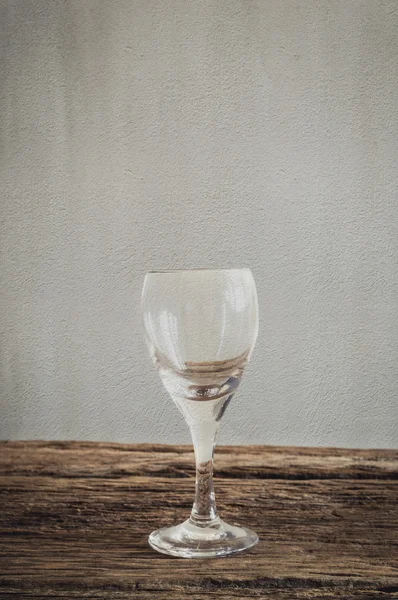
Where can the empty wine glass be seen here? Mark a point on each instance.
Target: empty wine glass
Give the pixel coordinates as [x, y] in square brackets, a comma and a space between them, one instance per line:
[201, 327]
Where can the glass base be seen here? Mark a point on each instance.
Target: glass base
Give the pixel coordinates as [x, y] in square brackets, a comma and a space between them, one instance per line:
[189, 540]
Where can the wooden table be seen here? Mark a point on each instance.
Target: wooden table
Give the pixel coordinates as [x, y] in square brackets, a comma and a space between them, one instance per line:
[74, 521]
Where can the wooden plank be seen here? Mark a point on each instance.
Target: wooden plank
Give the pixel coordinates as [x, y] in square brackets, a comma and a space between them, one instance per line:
[92, 459]
[75, 518]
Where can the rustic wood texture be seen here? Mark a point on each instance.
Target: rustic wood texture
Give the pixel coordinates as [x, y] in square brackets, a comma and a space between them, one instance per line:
[75, 518]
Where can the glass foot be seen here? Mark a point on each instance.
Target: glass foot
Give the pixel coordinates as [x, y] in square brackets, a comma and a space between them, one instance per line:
[189, 540]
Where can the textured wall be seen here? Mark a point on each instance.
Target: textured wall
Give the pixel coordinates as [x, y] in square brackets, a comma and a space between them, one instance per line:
[142, 134]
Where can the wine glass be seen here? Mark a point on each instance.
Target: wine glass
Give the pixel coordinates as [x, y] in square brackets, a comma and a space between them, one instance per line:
[201, 327]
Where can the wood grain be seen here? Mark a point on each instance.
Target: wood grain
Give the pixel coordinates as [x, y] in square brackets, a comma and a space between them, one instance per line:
[75, 519]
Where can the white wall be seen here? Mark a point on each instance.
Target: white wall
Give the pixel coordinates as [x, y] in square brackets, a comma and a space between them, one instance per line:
[141, 134]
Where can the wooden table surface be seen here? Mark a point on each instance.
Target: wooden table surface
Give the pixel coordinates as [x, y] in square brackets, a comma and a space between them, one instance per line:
[75, 517]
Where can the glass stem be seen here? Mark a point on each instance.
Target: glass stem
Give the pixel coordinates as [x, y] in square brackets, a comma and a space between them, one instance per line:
[204, 511]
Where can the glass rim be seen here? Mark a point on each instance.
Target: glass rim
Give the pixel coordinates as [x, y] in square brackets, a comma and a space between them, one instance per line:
[171, 271]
